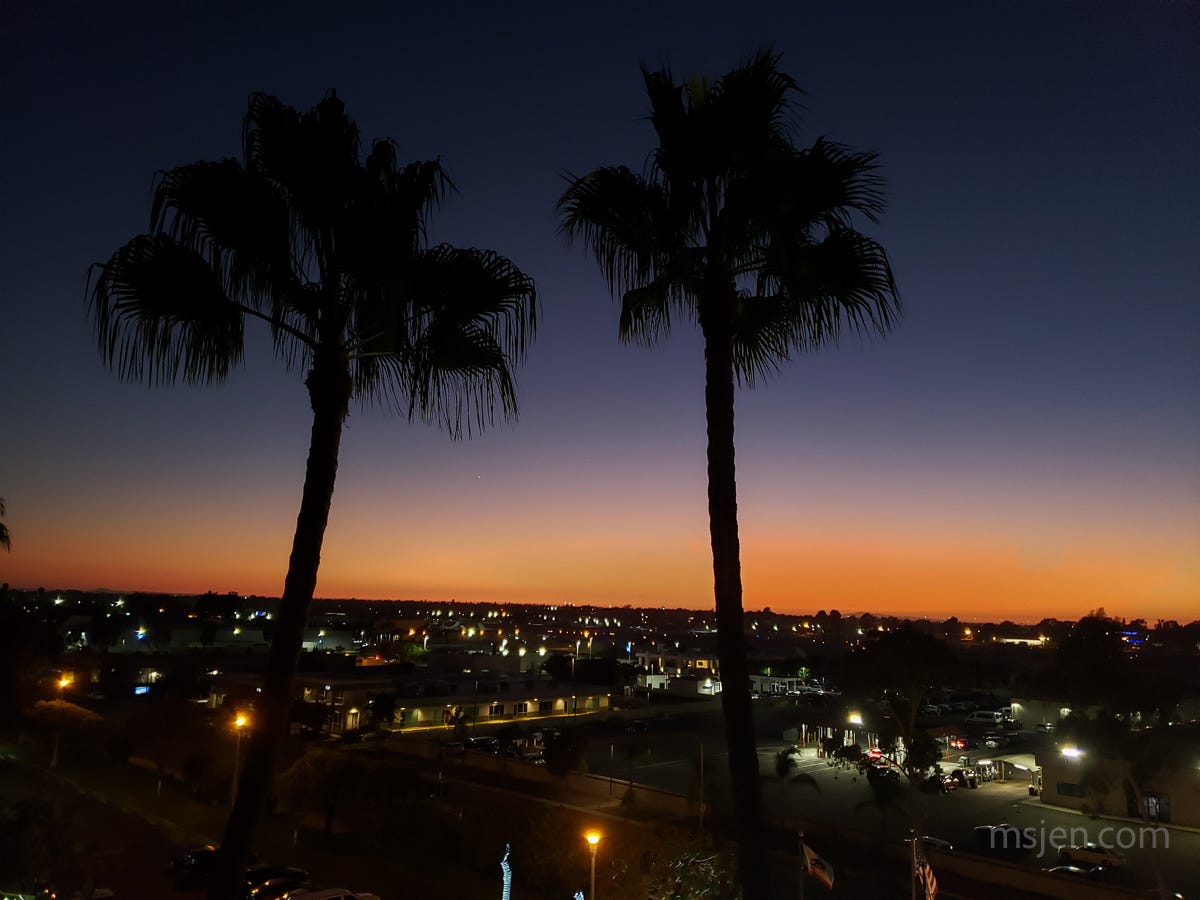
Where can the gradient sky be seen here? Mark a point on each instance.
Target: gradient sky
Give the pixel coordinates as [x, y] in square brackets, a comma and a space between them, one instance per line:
[1026, 444]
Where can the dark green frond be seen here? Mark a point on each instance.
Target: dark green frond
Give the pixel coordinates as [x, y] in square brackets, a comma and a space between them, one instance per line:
[624, 221]
[828, 181]
[754, 104]
[240, 224]
[762, 337]
[459, 376]
[312, 156]
[845, 281]
[384, 229]
[162, 315]
[647, 311]
[477, 286]
[466, 315]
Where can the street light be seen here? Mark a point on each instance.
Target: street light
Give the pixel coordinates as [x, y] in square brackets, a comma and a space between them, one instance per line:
[593, 839]
[63, 683]
[238, 724]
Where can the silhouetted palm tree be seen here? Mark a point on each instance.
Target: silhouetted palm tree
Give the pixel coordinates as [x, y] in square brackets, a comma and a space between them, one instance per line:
[328, 248]
[5, 540]
[735, 227]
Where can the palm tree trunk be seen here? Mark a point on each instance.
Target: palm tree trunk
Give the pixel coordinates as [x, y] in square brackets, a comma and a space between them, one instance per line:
[329, 391]
[731, 638]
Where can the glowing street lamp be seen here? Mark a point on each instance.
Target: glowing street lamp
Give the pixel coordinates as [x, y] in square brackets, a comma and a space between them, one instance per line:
[1072, 752]
[855, 719]
[63, 684]
[593, 839]
[239, 723]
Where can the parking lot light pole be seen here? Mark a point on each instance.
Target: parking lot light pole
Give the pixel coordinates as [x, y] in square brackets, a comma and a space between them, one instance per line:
[238, 724]
[593, 839]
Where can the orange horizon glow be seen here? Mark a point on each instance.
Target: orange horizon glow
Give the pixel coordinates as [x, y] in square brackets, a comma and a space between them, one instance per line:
[971, 576]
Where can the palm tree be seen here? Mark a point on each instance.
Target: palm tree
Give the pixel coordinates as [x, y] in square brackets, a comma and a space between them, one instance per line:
[5, 540]
[327, 248]
[734, 226]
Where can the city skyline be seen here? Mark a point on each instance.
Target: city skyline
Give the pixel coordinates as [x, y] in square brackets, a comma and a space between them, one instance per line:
[1025, 444]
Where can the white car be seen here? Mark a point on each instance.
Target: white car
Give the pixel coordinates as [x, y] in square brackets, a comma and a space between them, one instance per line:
[1091, 854]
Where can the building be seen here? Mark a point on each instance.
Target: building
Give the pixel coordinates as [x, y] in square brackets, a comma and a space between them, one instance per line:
[1074, 778]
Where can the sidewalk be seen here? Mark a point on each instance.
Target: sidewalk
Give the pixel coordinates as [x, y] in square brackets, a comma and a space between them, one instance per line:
[1035, 802]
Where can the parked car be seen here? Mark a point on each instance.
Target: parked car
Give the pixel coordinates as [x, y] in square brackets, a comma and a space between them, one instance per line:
[1079, 871]
[637, 726]
[994, 739]
[277, 889]
[194, 865]
[483, 744]
[985, 717]
[1091, 854]
[875, 773]
[939, 784]
[1004, 838]
[259, 873]
[1010, 724]
[1044, 727]
[963, 743]
[330, 894]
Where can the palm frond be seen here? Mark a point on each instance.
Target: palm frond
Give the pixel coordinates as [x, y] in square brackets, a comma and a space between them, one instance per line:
[624, 221]
[5, 538]
[458, 376]
[805, 780]
[240, 224]
[762, 337]
[464, 314]
[753, 106]
[845, 281]
[313, 158]
[161, 314]
[647, 311]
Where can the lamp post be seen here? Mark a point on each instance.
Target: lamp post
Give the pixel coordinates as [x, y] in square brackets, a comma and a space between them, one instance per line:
[593, 839]
[238, 724]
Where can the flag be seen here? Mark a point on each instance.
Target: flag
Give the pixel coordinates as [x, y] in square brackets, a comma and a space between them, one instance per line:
[925, 877]
[817, 867]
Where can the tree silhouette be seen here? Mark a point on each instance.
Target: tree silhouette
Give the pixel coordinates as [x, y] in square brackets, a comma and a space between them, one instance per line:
[5, 539]
[322, 781]
[737, 228]
[327, 247]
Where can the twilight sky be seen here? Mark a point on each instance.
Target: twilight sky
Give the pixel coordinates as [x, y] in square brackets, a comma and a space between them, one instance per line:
[1027, 443]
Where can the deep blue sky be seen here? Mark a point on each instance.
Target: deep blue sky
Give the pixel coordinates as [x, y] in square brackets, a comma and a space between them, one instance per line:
[1029, 435]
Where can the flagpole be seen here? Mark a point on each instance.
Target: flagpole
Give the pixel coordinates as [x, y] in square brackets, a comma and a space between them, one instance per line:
[801, 865]
[912, 872]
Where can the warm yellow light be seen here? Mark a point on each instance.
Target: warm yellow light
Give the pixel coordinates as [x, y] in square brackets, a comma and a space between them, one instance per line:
[64, 681]
[593, 837]
[855, 718]
[240, 721]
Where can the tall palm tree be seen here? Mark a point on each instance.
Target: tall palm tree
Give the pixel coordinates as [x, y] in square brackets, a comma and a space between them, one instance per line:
[327, 247]
[736, 227]
[5, 540]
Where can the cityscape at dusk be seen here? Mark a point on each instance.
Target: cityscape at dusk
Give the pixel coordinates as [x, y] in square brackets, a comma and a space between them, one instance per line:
[1024, 444]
